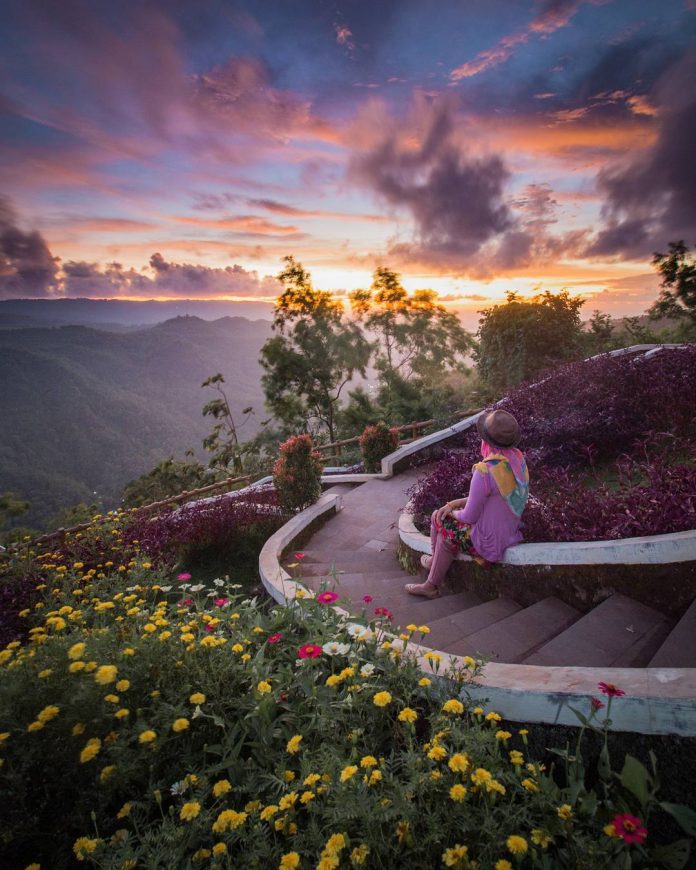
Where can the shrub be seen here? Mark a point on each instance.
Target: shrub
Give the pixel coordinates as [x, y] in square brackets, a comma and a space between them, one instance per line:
[297, 473]
[376, 442]
[166, 722]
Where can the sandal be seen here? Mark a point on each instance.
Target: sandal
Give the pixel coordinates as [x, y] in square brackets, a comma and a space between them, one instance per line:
[426, 561]
[425, 590]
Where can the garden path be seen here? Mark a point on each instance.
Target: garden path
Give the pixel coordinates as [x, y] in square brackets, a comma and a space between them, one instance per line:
[355, 554]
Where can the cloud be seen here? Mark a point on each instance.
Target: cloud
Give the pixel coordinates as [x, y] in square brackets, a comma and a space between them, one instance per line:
[247, 224]
[27, 267]
[651, 195]
[454, 197]
[344, 37]
[107, 224]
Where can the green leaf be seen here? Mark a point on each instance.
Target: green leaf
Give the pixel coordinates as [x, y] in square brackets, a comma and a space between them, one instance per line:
[684, 816]
[673, 857]
[636, 779]
[581, 716]
[604, 765]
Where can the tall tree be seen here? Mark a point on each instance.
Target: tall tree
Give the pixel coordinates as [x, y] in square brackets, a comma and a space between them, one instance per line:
[678, 270]
[519, 339]
[223, 441]
[314, 354]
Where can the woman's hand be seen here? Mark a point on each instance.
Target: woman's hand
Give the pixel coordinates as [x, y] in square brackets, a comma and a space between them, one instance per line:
[451, 506]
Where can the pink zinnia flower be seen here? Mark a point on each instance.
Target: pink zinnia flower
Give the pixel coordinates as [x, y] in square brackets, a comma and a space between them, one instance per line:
[368, 599]
[186, 601]
[384, 612]
[610, 689]
[629, 828]
[221, 602]
[596, 704]
[309, 651]
[209, 627]
[183, 576]
[299, 555]
[274, 638]
[327, 597]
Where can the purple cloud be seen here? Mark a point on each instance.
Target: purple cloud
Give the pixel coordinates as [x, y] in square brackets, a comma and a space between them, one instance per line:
[27, 267]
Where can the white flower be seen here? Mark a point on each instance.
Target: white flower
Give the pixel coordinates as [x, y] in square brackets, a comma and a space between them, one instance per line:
[367, 670]
[354, 629]
[334, 648]
[179, 787]
[236, 586]
[185, 586]
[197, 587]
[218, 582]
[197, 713]
[165, 588]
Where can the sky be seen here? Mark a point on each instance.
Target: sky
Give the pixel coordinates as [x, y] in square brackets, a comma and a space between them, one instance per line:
[163, 149]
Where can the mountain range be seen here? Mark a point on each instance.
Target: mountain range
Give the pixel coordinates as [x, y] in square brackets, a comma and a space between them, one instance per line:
[84, 410]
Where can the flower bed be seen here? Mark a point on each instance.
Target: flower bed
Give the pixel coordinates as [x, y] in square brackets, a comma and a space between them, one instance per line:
[154, 721]
[610, 445]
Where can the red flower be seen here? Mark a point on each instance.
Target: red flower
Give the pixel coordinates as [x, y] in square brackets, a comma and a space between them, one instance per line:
[221, 602]
[385, 612]
[629, 828]
[327, 597]
[186, 601]
[274, 638]
[596, 704]
[368, 599]
[610, 689]
[299, 555]
[183, 576]
[209, 627]
[309, 651]
[282, 698]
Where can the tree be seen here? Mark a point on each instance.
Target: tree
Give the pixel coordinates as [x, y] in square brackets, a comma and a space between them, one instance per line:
[11, 507]
[314, 354]
[519, 339]
[678, 270]
[170, 477]
[223, 442]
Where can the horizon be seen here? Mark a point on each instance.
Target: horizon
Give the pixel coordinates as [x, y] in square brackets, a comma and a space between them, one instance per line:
[174, 154]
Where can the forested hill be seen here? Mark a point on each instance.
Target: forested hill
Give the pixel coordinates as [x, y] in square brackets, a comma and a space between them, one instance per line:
[84, 410]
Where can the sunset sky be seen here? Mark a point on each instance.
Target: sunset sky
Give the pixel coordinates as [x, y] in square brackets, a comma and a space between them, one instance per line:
[180, 149]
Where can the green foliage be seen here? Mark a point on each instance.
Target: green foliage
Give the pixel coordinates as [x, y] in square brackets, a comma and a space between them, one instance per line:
[678, 271]
[520, 339]
[376, 442]
[146, 730]
[314, 354]
[222, 442]
[297, 473]
[169, 477]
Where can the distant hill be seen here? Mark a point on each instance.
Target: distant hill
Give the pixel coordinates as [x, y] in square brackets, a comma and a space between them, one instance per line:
[84, 410]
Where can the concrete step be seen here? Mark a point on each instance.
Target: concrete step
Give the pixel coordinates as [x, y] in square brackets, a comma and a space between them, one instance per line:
[456, 624]
[355, 585]
[679, 648]
[356, 561]
[514, 637]
[424, 611]
[339, 489]
[617, 630]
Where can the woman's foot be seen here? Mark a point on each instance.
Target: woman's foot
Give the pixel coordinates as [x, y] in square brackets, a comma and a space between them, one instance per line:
[425, 590]
[426, 562]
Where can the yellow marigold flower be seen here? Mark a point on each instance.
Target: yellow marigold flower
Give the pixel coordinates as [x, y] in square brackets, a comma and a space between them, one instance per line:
[432, 657]
[412, 627]
[264, 687]
[122, 713]
[459, 763]
[375, 777]
[187, 637]
[252, 806]
[435, 774]
[359, 854]
[494, 786]
[106, 674]
[155, 693]
[48, 713]
[368, 761]
[502, 735]
[493, 717]
[306, 797]
[90, 666]
[455, 856]
[516, 757]
[268, 812]
[348, 772]
[453, 707]
[107, 772]
[180, 725]
[228, 820]
[610, 831]
[381, 699]
[45, 673]
[112, 699]
[424, 681]
[91, 750]
[246, 657]
[481, 776]
[516, 845]
[222, 786]
[78, 729]
[74, 667]
[35, 726]
[124, 811]
[288, 775]
[457, 792]
[288, 800]
[477, 711]
[523, 732]
[33, 866]
[408, 715]
[335, 844]
[201, 855]
[333, 680]
[129, 651]
[437, 753]
[529, 784]
[565, 812]
[220, 849]
[541, 838]
[3, 736]
[502, 864]
[147, 736]
[289, 861]
[189, 811]
[293, 744]
[469, 662]
[149, 627]
[123, 685]
[237, 648]
[423, 629]
[84, 846]
[197, 698]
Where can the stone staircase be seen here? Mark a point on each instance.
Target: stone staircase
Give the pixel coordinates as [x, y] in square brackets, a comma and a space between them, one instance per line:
[354, 553]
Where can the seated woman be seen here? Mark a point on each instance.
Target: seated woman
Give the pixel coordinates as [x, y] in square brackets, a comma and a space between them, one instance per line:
[488, 521]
